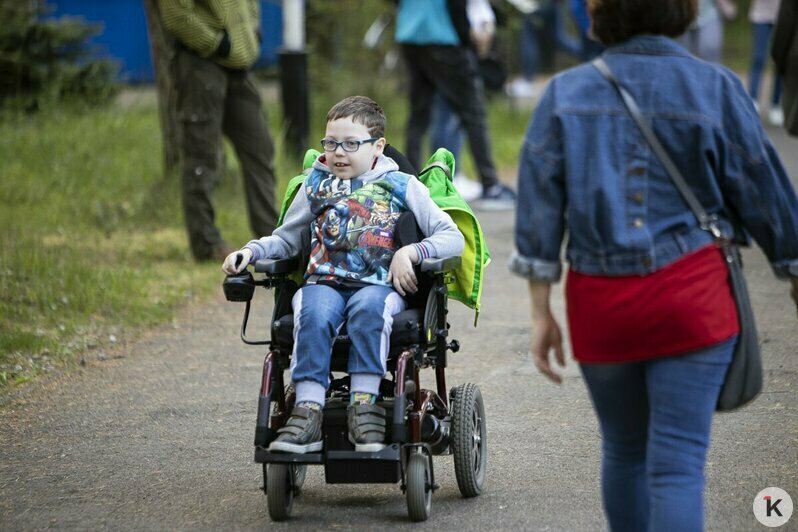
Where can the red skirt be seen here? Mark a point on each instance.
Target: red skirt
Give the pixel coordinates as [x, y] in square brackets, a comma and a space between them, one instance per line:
[685, 306]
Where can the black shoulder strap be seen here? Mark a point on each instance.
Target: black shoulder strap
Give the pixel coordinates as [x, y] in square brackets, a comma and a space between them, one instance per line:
[707, 222]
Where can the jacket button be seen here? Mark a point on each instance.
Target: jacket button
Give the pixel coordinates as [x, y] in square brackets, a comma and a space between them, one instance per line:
[637, 223]
[637, 170]
[637, 197]
[198, 170]
[647, 262]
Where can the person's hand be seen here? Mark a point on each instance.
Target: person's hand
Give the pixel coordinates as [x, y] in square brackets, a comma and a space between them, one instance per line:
[483, 38]
[237, 261]
[546, 336]
[401, 273]
[727, 8]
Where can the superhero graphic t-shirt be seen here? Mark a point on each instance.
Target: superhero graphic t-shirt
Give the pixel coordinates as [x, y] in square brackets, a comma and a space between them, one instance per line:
[352, 235]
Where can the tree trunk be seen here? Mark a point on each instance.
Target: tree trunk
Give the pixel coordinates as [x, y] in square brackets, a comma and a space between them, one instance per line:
[163, 52]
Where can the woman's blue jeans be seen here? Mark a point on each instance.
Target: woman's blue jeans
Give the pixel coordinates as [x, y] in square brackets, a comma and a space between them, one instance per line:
[656, 418]
[759, 54]
[319, 314]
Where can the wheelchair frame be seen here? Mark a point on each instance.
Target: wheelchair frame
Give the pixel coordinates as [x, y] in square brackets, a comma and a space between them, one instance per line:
[422, 423]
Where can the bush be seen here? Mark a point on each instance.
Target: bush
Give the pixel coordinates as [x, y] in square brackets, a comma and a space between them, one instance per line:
[47, 60]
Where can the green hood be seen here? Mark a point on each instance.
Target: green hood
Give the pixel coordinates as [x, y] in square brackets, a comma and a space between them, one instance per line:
[466, 285]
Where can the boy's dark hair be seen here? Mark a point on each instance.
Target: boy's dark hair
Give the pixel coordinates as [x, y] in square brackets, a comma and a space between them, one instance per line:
[615, 21]
[363, 111]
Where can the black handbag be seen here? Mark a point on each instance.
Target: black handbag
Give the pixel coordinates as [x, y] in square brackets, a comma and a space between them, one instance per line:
[743, 380]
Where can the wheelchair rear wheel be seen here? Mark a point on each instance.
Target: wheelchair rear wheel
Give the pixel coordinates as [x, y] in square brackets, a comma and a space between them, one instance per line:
[469, 439]
[419, 487]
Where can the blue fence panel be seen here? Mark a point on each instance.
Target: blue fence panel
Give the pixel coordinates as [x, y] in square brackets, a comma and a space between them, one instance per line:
[124, 34]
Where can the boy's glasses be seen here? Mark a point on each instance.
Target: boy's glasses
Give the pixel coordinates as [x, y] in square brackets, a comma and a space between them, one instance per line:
[348, 145]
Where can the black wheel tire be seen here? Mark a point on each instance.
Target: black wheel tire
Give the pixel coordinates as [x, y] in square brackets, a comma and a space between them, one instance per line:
[418, 487]
[279, 494]
[469, 439]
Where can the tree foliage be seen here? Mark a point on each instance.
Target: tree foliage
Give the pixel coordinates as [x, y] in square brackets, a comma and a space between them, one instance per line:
[43, 60]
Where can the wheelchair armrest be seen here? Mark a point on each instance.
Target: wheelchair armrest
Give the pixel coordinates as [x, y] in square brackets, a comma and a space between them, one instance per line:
[277, 266]
[440, 265]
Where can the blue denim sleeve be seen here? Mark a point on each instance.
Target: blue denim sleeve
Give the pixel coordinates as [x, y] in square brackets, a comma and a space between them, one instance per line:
[540, 212]
[758, 189]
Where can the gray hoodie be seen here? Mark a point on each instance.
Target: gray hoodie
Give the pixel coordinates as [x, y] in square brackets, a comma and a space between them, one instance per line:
[442, 238]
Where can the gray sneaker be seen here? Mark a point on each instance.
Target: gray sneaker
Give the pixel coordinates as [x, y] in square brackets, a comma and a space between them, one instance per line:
[366, 425]
[497, 197]
[301, 433]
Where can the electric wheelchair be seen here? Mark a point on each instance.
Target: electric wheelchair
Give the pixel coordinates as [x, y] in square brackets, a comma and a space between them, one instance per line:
[422, 422]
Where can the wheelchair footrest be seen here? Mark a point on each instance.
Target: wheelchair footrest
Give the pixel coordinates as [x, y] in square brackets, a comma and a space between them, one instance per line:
[264, 456]
[352, 467]
[390, 453]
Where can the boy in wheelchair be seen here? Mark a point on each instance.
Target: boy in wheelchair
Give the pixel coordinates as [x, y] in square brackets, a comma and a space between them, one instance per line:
[352, 200]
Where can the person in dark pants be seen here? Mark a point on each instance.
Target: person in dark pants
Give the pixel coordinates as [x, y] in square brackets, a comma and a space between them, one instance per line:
[434, 35]
[785, 54]
[217, 44]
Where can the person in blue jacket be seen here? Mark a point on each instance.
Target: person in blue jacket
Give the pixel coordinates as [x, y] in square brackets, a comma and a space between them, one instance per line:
[651, 315]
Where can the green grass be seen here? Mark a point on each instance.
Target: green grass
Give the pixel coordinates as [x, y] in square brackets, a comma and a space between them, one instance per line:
[92, 243]
[737, 40]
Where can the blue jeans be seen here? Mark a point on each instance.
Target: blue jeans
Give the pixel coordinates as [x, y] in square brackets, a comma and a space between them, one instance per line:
[705, 41]
[319, 314]
[656, 418]
[759, 54]
[446, 131]
[548, 17]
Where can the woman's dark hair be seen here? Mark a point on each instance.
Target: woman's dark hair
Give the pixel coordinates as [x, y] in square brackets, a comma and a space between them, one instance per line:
[615, 21]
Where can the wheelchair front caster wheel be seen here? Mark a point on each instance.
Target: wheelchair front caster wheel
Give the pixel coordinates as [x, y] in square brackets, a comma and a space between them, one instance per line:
[299, 472]
[280, 491]
[419, 487]
[469, 439]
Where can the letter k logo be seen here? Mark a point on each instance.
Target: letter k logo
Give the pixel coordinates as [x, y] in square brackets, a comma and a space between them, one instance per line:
[772, 506]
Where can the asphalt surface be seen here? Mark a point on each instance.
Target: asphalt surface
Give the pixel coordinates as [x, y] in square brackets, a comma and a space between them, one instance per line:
[161, 438]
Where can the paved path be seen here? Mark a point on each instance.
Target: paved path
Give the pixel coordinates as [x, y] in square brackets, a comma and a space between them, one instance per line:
[162, 438]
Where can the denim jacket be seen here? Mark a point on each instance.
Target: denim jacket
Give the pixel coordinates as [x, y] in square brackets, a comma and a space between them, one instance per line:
[586, 167]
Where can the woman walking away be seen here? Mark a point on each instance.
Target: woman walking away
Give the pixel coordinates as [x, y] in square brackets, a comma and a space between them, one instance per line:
[651, 313]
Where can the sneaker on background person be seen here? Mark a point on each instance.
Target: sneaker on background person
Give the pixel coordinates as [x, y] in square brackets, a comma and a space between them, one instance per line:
[521, 88]
[497, 197]
[468, 188]
[776, 116]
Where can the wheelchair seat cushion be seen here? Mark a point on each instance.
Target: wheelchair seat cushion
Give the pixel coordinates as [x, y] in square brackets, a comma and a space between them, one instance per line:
[407, 330]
